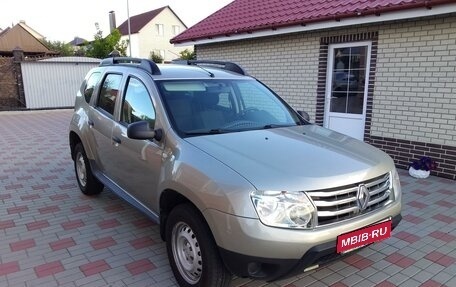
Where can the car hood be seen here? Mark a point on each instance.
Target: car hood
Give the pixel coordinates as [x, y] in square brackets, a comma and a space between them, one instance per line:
[305, 157]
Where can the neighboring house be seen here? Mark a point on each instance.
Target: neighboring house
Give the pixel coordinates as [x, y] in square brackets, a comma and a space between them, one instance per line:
[380, 71]
[151, 32]
[31, 30]
[78, 44]
[22, 38]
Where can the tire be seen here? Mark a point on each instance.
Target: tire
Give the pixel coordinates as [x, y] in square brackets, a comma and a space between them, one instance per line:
[87, 182]
[192, 252]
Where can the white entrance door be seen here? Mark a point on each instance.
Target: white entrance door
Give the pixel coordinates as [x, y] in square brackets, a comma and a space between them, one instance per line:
[346, 88]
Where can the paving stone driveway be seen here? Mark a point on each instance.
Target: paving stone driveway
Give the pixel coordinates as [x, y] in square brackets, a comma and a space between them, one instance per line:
[52, 235]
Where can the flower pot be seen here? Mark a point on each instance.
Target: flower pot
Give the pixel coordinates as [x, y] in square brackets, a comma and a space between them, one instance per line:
[418, 173]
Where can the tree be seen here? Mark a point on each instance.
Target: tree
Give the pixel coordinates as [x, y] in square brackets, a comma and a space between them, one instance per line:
[64, 49]
[156, 58]
[187, 55]
[101, 46]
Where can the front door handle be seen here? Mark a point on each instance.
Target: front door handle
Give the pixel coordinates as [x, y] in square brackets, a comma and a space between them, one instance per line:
[116, 140]
[90, 122]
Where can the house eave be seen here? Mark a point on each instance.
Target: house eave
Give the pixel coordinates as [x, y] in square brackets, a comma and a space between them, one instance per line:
[337, 23]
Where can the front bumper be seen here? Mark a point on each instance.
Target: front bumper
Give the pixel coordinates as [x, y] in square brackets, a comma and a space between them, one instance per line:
[268, 269]
[252, 249]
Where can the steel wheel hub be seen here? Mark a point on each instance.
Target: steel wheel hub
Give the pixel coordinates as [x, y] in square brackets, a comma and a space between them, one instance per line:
[187, 253]
[81, 169]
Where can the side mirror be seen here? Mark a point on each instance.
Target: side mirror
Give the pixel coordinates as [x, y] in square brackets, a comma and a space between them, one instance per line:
[304, 115]
[142, 131]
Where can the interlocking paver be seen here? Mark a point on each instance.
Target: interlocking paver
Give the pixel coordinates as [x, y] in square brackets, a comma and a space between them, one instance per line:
[94, 267]
[52, 235]
[9, 267]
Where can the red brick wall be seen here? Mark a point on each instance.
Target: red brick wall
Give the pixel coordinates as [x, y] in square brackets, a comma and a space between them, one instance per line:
[404, 152]
[8, 85]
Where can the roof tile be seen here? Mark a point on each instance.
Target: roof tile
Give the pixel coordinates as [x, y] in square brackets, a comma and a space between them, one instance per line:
[242, 16]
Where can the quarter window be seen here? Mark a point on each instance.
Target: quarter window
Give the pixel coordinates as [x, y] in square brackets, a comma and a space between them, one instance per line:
[90, 86]
[137, 105]
[109, 93]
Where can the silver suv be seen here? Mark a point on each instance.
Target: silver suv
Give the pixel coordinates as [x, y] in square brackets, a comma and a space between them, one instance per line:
[239, 181]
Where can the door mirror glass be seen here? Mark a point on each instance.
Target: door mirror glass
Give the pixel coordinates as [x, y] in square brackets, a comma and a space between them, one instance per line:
[304, 115]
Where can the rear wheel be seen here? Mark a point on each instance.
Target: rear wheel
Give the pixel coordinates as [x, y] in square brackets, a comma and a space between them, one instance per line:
[191, 249]
[87, 182]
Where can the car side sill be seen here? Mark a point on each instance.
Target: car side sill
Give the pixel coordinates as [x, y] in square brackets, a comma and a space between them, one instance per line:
[122, 193]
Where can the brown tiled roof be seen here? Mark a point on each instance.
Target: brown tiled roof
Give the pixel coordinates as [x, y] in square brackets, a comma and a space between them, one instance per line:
[248, 16]
[18, 37]
[137, 22]
[4, 31]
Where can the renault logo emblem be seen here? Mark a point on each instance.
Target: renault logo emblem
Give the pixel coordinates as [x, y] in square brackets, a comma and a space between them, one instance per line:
[362, 197]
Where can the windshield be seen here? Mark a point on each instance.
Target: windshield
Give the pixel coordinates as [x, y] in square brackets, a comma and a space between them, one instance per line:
[198, 107]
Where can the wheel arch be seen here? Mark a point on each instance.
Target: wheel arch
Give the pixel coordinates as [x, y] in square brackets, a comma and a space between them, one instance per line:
[74, 139]
[168, 200]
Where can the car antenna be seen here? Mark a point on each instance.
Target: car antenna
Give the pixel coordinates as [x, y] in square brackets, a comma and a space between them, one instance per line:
[209, 72]
[187, 62]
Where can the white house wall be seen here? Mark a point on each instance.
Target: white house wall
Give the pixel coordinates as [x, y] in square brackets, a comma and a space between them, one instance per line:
[134, 42]
[415, 88]
[150, 41]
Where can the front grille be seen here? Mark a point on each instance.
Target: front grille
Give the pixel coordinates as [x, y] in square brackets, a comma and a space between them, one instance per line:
[337, 204]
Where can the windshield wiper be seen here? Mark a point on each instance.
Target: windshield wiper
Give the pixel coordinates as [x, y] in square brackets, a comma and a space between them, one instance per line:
[271, 126]
[209, 132]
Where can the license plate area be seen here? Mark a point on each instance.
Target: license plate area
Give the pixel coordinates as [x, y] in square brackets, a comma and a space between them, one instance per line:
[356, 239]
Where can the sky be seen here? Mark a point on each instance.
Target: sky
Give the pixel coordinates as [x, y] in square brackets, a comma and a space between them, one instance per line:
[62, 20]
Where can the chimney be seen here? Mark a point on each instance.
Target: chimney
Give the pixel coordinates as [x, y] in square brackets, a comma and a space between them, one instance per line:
[112, 21]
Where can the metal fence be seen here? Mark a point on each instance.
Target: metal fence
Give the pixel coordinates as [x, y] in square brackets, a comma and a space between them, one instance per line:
[53, 83]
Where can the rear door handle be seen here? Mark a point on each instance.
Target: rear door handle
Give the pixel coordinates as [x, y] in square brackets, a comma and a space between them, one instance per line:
[90, 123]
[116, 140]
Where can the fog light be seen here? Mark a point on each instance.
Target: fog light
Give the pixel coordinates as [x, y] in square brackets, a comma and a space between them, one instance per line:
[254, 269]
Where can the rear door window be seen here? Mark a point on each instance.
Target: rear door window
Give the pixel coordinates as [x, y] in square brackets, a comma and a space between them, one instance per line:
[109, 93]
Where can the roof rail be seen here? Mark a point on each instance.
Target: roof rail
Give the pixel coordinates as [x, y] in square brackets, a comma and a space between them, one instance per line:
[229, 66]
[144, 64]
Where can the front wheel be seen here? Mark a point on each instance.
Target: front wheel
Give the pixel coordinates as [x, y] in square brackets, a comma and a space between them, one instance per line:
[192, 252]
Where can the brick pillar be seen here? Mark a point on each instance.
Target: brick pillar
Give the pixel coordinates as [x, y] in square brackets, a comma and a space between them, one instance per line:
[18, 57]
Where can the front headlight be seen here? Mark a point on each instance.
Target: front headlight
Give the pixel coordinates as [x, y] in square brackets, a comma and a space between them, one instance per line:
[396, 183]
[284, 209]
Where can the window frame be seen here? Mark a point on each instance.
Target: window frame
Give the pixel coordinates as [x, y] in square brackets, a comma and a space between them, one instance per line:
[160, 29]
[176, 27]
[99, 96]
[124, 96]
[94, 87]
[329, 77]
